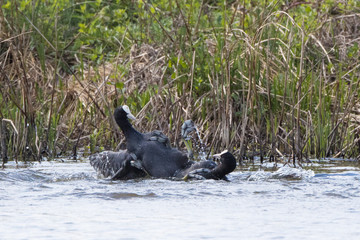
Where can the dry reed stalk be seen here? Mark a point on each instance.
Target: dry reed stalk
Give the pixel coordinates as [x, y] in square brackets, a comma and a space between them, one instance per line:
[271, 117]
[239, 123]
[299, 97]
[3, 145]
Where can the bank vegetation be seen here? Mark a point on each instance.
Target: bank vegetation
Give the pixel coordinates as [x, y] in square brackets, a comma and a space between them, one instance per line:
[276, 79]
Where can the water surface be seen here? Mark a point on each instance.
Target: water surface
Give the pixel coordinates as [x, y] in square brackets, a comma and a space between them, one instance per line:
[55, 200]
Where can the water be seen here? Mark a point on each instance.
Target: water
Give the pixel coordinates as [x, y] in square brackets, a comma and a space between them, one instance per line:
[202, 154]
[56, 200]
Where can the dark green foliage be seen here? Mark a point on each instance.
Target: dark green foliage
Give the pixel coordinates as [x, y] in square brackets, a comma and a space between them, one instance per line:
[270, 76]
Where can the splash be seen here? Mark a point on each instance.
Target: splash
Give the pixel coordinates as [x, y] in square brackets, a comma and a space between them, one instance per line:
[202, 153]
[293, 173]
[285, 172]
[187, 128]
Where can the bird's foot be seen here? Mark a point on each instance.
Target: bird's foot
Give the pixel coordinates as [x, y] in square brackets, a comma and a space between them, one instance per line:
[137, 164]
[187, 128]
[198, 174]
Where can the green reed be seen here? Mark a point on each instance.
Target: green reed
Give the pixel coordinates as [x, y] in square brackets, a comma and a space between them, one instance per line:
[264, 79]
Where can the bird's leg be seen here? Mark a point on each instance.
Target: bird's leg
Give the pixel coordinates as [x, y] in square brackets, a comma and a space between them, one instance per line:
[188, 145]
[187, 128]
[136, 163]
[197, 174]
[122, 171]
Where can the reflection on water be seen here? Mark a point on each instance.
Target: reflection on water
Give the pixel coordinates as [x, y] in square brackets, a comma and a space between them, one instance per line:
[68, 201]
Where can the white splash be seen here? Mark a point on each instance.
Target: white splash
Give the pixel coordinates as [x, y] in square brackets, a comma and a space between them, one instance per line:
[285, 172]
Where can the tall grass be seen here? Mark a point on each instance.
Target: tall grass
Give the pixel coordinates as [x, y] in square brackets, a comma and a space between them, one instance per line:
[267, 78]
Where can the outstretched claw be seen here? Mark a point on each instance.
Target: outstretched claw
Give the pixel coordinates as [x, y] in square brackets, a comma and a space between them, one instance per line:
[137, 164]
[187, 127]
[158, 136]
[199, 174]
[126, 165]
[123, 170]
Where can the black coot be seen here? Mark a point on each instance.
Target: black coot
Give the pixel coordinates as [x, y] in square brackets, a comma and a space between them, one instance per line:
[209, 169]
[153, 149]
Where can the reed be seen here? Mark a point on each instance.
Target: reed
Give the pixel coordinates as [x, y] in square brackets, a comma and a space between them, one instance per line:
[276, 80]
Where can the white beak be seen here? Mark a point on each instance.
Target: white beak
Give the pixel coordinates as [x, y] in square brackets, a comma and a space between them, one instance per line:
[130, 116]
[218, 155]
[128, 113]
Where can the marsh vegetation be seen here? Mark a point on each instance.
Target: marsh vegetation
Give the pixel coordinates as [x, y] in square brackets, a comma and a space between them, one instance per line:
[278, 79]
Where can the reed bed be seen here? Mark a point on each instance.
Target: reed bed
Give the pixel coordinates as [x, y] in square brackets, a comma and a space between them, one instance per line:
[275, 79]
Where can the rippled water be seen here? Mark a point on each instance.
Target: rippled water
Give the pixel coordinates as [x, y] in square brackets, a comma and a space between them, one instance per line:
[54, 200]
